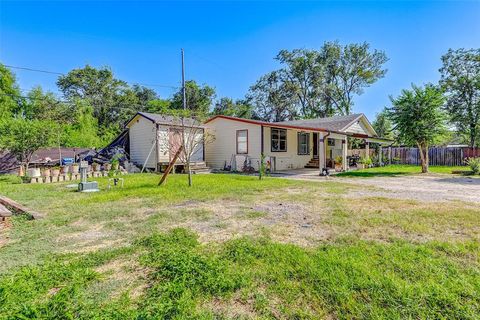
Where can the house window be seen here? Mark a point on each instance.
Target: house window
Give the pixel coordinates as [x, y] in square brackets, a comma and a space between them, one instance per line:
[279, 140]
[331, 142]
[303, 143]
[242, 141]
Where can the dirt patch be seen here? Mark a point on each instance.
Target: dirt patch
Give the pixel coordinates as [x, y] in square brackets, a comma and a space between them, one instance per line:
[284, 221]
[4, 229]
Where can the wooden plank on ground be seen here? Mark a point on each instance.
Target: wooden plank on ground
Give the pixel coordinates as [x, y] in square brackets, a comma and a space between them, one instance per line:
[20, 208]
[4, 212]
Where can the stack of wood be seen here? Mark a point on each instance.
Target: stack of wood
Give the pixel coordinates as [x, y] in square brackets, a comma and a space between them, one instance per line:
[5, 214]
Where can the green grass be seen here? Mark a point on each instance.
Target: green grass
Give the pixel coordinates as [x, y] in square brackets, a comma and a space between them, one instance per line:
[120, 254]
[396, 170]
[346, 280]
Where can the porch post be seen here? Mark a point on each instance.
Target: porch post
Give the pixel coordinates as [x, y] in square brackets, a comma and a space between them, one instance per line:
[380, 155]
[367, 149]
[321, 151]
[344, 154]
[389, 154]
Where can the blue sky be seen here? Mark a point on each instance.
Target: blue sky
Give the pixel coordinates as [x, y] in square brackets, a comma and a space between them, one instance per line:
[229, 45]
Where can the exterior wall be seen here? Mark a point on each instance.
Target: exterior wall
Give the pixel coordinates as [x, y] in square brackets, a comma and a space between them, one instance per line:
[142, 138]
[224, 145]
[289, 159]
[163, 144]
[359, 127]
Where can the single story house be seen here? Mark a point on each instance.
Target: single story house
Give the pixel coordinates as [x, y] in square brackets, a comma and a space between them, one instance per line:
[288, 144]
[155, 138]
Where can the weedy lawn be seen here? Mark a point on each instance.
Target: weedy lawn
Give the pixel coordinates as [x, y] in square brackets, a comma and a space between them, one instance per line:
[236, 247]
[400, 169]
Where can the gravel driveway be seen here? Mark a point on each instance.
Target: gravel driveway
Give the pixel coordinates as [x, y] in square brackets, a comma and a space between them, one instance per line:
[429, 187]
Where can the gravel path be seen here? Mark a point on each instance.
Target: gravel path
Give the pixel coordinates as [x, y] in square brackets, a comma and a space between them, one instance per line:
[423, 187]
[429, 187]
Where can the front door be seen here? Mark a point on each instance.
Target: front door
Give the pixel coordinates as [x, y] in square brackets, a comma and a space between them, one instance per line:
[315, 145]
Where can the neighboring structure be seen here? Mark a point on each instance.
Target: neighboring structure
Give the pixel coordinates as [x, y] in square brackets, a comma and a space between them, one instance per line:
[153, 139]
[42, 157]
[287, 145]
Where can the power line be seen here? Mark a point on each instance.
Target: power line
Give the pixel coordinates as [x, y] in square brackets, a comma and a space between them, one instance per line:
[62, 74]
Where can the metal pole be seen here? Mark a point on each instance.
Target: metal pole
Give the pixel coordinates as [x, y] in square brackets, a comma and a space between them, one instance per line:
[183, 82]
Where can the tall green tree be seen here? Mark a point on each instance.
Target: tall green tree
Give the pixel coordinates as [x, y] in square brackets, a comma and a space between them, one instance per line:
[23, 137]
[419, 119]
[112, 100]
[42, 105]
[199, 98]
[460, 78]
[83, 132]
[324, 82]
[228, 107]
[10, 97]
[383, 125]
[272, 99]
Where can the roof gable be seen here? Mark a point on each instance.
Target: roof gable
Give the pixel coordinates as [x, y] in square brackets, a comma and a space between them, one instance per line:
[165, 120]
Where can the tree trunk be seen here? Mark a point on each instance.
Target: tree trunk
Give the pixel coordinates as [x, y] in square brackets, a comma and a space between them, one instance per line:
[189, 171]
[423, 149]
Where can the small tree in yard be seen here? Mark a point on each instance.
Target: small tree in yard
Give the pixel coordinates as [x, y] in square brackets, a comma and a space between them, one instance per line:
[418, 117]
[188, 135]
[23, 137]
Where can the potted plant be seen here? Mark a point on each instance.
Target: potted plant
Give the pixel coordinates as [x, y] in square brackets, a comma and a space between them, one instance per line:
[64, 169]
[46, 172]
[338, 163]
[55, 171]
[75, 168]
[115, 164]
[96, 167]
[365, 162]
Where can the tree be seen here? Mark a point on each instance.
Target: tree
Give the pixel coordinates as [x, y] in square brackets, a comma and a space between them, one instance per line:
[199, 98]
[83, 132]
[418, 117]
[189, 135]
[348, 71]
[10, 97]
[460, 78]
[324, 82]
[228, 107]
[112, 100]
[23, 137]
[45, 106]
[271, 99]
[383, 125]
[144, 95]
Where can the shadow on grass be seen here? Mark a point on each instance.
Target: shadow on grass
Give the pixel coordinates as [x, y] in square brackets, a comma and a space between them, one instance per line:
[367, 174]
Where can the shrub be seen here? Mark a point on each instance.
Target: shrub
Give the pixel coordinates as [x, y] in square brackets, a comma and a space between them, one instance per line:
[474, 164]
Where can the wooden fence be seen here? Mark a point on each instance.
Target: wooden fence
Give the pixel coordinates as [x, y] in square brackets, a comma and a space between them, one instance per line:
[438, 156]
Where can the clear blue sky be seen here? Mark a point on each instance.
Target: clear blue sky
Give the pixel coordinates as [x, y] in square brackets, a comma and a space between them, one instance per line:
[229, 45]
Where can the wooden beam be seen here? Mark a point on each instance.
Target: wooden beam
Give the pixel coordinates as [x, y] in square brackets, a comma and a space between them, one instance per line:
[170, 166]
[15, 206]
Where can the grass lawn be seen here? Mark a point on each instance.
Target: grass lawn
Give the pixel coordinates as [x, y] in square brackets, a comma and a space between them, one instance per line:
[399, 169]
[234, 247]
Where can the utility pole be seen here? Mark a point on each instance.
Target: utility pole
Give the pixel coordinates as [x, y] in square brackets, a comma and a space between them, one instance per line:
[183, 82]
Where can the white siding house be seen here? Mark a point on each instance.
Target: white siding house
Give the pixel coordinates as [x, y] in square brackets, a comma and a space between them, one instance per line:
[286, 145]
[152, 142]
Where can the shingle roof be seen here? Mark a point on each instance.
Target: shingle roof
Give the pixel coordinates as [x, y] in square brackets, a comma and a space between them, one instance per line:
[335, 123]
[166, 119]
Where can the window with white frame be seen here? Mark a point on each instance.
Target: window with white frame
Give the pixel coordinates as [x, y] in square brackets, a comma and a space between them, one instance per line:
[242, 141]
[331, 142]
[279, 140]
[303, 143]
